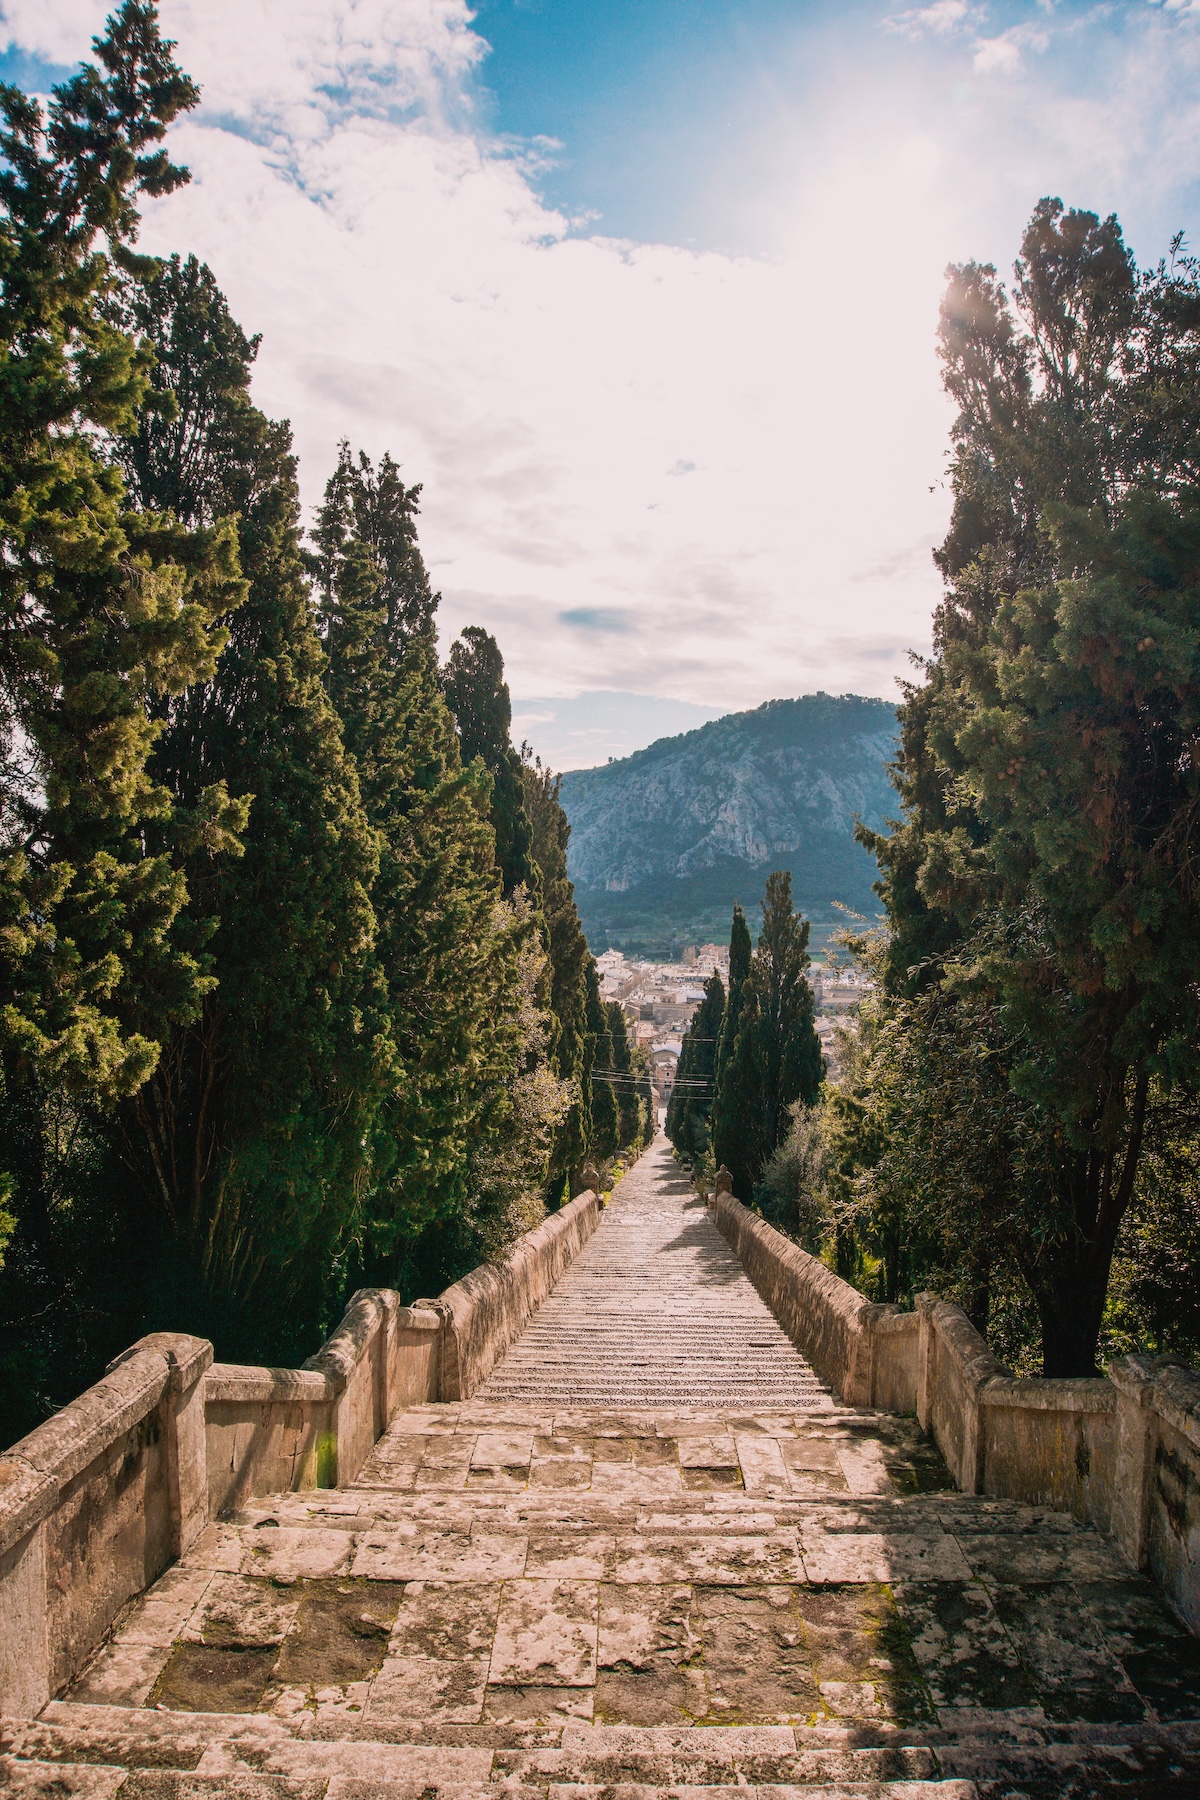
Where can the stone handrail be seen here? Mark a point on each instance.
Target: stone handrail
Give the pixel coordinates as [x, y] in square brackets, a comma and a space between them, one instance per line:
[1121, 1453]
[96, 1502]
[488, 1309]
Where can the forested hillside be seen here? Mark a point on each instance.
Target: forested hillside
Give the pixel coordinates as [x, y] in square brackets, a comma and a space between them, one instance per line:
[664, 841]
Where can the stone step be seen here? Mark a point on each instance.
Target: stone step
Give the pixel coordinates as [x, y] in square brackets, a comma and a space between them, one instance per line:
[93, 1752]
[579, 1761]
[656, 1310]
[58, 1781]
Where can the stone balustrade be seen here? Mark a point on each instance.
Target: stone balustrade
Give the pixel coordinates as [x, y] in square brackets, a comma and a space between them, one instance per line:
[97, 1501]
[1121, 1453]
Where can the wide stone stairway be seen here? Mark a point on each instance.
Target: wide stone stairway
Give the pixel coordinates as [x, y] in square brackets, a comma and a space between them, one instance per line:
[652, 1557]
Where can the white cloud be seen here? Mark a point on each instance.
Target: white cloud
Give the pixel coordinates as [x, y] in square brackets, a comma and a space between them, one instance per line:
[941, 18]
[414, 294]
[1003, 54]
[549, 388]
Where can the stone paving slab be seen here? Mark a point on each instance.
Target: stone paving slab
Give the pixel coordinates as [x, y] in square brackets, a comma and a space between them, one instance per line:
[451, 1607]
[525, 1597]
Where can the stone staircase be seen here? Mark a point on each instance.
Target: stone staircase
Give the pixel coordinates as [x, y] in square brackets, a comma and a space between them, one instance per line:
[655, 1310]
[571, 1596]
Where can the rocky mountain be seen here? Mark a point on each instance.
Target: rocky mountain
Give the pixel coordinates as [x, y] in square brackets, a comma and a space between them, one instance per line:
[663, 842]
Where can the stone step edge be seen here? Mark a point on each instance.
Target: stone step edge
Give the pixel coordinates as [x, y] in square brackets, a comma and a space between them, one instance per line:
[81, 1779]
[599, 1741]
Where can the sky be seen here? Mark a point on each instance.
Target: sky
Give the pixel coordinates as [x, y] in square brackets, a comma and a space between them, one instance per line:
[644, 294]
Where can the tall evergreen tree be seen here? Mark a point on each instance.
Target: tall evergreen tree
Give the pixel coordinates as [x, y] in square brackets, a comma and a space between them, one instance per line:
[1042, 876]
[569, 960]
[632, 1088]
[249, 1135]
[605, 1137]
[775, 1058]
[478, 696]
[724, 1122]
[108, 611]
[692, 1099]
[445, 967]
[105, 611]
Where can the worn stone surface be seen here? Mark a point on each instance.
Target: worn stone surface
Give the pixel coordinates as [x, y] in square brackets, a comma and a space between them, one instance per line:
[655, 1310]
[539, 1599]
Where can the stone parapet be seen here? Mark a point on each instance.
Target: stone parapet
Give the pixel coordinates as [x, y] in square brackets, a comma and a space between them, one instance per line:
[97, 1501]
[488, 1309]
[94, 1504]
[1122, 1453]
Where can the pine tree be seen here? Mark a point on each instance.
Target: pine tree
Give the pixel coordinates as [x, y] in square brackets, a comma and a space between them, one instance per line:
[105, 611]
[478, 696]
[249, 1136]
[775, 1058]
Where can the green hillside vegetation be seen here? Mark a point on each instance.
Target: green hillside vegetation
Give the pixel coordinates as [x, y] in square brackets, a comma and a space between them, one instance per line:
[665, 841]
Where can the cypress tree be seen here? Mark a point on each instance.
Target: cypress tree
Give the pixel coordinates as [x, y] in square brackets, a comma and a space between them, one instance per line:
[569, 960]
[478, 696]
[628, 1083]
[1040, 890]
[775, 1058]
[446, 963]
[724, 1121]
[605, 1138]
[249, 1136]
[108, 612]
[692, 1100]
[105, 611]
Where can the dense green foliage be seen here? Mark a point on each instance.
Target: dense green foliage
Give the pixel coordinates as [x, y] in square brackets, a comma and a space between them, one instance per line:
[747, 1059]
[251, 1126]
[1028, 1069]
[695, 1078]
[293, 991]
[477, 694]
[768, 1055]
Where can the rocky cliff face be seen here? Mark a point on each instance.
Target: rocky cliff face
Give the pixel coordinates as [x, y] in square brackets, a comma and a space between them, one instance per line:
[696, 821]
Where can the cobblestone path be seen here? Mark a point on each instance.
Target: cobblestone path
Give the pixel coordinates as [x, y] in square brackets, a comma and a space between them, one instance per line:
[543, 1599]
[656, 1311]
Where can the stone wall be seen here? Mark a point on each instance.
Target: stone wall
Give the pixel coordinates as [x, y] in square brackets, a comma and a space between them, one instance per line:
[488, 1309]
[93, 1506]
[100, 1499]
[1121, 1453]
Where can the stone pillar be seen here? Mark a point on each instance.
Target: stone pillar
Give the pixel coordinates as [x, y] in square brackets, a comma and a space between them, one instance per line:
[188, 1359]
[722, 1182]
[26, 1496]
[1133, 1378]
[926, 1351]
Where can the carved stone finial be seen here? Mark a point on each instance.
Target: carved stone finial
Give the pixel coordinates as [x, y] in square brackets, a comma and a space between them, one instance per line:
[589, 1179]
[722, 1181]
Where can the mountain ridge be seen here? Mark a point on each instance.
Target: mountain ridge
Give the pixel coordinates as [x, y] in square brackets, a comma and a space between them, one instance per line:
[663, 840]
